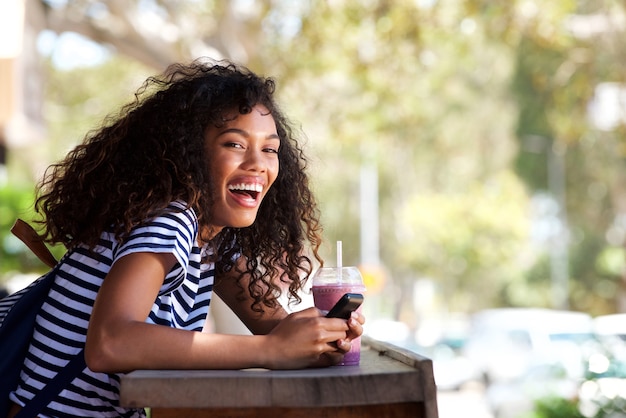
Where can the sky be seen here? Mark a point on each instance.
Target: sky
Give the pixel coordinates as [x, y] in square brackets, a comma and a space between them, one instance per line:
[70, 50]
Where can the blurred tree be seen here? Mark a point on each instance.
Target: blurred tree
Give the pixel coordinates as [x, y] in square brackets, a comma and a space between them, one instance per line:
[409, 94]
[160, 32]
[473, 243]
[439, 96]
[423, 89]
[558, 74]
[15, 203]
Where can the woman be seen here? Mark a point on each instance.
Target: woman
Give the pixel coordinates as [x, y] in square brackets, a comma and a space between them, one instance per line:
[196, 186]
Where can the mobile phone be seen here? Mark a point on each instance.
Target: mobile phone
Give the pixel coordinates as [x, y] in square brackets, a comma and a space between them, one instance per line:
[348, 303]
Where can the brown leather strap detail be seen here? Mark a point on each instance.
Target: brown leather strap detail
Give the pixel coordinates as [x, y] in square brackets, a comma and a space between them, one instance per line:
[29, 236]
[13, 409]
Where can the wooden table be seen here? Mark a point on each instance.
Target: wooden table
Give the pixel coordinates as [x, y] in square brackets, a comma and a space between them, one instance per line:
[390, 382]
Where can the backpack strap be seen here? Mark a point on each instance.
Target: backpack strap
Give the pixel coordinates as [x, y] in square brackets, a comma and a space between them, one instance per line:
[43, 397]
[31, 238]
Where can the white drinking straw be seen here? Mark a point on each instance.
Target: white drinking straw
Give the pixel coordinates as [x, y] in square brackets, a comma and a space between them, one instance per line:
[339, 260]
[339, 256]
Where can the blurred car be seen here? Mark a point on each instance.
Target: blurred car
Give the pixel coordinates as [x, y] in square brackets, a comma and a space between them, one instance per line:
[603, 393]
[589, 371]
[516, 398]
[506, 343]
[604, 397]
[526, 354]
[610, 327]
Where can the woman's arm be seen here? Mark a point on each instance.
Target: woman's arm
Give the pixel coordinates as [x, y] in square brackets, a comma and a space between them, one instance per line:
[119, 339]
[263, 323]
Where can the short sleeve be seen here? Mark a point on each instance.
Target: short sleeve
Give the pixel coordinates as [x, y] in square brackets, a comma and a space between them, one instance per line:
[174, 232]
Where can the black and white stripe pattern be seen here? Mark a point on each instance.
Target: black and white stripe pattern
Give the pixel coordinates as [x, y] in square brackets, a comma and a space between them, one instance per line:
[61, 326]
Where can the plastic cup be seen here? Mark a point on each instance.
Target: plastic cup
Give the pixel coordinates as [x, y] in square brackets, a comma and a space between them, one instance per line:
[329, 284]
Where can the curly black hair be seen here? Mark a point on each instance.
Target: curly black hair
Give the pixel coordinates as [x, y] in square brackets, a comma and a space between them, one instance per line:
[152, 153]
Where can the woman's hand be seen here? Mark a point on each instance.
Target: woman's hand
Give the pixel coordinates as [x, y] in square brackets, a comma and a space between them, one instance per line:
[308, 339]
[355, 330]
[355, 326]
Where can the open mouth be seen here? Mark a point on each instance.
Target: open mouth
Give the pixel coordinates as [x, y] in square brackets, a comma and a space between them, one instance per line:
[250, 191]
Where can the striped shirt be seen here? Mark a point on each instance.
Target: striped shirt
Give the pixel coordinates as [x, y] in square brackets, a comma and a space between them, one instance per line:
[61, 326]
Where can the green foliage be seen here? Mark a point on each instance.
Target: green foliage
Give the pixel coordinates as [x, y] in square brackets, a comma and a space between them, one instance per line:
[471, 243]
[404, 91]
[95, 93]
[77, 101]
[555, 78]
[441, 98]
[15, 203]
[612, 261]
[555, 407]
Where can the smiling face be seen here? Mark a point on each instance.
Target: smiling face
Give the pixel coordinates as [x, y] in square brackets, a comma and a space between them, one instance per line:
[244, 157]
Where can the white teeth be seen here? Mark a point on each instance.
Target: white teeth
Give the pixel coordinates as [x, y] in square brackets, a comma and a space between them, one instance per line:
[249, 187]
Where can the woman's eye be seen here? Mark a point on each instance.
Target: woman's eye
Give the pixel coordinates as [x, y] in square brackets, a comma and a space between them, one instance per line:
[233, 145]
[271, 150]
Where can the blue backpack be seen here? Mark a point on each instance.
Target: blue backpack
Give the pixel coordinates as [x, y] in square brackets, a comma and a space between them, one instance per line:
[17, 321]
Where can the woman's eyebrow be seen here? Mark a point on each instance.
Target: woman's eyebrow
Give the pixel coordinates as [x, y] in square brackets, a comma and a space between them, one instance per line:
[245, 133]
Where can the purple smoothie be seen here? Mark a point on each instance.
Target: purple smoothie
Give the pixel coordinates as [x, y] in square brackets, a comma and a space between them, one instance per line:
[327, 291]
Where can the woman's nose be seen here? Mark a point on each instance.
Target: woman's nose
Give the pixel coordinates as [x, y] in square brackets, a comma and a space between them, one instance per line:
[254, 160]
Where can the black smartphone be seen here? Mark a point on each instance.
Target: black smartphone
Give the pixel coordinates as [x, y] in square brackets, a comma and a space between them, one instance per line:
[348, 303]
